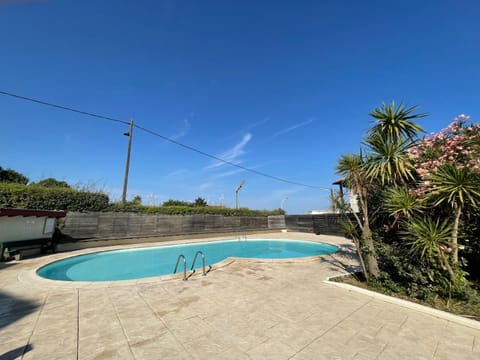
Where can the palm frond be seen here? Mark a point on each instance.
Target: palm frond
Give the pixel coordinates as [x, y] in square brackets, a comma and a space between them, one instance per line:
[401, 201]
[455, 185]
[395, 121]
[388, 160]
[426, 236]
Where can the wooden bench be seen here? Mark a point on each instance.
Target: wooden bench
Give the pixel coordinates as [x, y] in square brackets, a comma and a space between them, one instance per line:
[9, 249]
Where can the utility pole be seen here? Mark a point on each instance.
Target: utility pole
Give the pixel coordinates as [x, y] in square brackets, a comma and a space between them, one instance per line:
[236, 193]
[127, 165]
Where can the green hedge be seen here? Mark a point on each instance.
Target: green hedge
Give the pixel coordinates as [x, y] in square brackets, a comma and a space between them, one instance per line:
[45, 198]
[190, 210]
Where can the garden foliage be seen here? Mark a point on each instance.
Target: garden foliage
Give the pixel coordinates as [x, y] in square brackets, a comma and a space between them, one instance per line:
[423, 199]
[187, 209]
[50, 198]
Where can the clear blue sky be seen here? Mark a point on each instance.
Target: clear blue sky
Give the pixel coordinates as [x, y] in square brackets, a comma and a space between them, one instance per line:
[281, 87]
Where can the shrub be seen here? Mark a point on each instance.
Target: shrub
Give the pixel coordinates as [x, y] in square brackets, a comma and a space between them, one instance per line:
[51, 182]
[189, 210]
[12, 176]
[45, 198]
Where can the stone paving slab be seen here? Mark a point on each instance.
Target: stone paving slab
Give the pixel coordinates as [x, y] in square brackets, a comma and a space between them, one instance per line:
[240, 310]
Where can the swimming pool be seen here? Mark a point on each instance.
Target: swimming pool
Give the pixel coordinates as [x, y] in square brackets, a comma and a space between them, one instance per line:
[154, 261]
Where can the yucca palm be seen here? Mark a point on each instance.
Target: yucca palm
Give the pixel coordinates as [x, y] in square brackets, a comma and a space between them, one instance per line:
[402, 202]
[455, 186]
[429, 239]
[352, 168]
[388, 161]
[395, 122]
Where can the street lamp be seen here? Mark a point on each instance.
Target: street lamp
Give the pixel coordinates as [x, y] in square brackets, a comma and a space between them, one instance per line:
[283, 202]
[127, 165]
[236, 193]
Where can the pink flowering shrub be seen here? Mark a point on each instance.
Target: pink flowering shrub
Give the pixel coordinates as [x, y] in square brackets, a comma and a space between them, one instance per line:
[458, 144]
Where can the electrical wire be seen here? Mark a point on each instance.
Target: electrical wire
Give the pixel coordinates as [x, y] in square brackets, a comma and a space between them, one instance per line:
[166, 138]
[63, 107]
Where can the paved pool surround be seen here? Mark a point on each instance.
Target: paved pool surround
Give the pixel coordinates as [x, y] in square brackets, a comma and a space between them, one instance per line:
[243, 309]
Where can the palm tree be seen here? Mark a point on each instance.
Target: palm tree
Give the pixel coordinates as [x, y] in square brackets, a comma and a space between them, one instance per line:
[351, 167]
[388, 159]
[455, 186]
[402, 202]
[429, 239]
[395, 122]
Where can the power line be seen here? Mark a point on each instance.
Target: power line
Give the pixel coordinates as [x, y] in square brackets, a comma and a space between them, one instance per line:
[63, 107]
[154, 133]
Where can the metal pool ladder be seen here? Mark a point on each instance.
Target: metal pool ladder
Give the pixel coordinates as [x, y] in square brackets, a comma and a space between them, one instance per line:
[204, 273]
[240, 235]
[181, 256]
[184, 266]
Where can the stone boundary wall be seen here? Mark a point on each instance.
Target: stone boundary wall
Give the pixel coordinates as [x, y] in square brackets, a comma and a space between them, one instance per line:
[101, 225]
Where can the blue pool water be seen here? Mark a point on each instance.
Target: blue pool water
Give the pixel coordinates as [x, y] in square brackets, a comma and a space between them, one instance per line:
[155, 261]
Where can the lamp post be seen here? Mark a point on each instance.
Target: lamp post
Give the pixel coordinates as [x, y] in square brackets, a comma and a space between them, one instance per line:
[236, 193]
[283, 202]
[127, 164]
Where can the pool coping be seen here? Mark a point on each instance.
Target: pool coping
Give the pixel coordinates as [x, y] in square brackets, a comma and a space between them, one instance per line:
[31, 276]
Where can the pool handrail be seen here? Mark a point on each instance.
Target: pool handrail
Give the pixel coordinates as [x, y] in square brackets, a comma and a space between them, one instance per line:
[184, 266]
[204, 273]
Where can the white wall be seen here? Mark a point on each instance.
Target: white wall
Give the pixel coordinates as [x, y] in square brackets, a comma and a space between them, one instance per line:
[15, 228]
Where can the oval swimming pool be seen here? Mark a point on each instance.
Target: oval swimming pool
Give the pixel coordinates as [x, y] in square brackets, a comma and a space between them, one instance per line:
[154, 261]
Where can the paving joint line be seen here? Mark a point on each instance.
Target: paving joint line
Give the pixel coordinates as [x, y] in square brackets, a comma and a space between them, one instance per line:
[403, 322]
[119, 321]
[381, 351]
[436, 349]
[161, 320]
[25, 348]
[78, 322]
[334, 326]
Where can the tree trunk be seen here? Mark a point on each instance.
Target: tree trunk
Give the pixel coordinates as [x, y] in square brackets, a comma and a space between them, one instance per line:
[360, 257]
[367, 239]
[357, 243]
[454, 243]
[444, 262]
[371, 258]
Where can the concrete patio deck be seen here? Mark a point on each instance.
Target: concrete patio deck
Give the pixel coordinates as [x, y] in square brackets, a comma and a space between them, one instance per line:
[242, 310]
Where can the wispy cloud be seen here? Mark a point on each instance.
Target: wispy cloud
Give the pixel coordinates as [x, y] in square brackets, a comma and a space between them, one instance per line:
[293, 127]
[184, 131]
[236, 171]
[228, 173]
[232, 154]
[254, 125]
[204, 186]
[178, 172]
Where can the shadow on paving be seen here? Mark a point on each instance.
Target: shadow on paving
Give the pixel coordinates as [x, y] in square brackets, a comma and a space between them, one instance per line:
[6, 265]
[345, 259]
[13, 309]
[16, 353]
